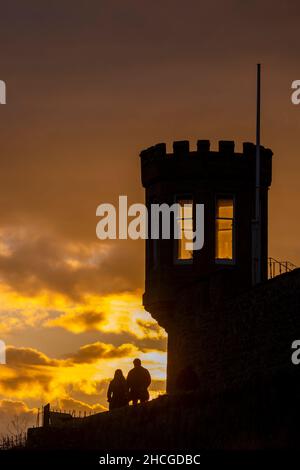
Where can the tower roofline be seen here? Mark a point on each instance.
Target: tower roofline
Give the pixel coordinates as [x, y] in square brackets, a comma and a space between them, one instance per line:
[181, 148]
[205, 163]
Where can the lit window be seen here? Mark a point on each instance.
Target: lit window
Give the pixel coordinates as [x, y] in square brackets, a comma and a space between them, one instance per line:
[185, 227]
[224, 229]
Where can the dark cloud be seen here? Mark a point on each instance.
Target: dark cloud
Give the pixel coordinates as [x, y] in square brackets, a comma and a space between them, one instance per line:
[152, 344]
[27, 356]
[155, 337]
[82, 321]
[94, 352]
[24, 380]
[149, 327]
[89, 353]
[37, 262]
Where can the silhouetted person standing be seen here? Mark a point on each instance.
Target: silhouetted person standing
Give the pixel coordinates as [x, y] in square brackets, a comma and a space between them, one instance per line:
[117, 393]
[138, 381]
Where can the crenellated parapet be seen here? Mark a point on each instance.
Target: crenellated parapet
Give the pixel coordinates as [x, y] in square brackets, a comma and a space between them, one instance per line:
[203, 161]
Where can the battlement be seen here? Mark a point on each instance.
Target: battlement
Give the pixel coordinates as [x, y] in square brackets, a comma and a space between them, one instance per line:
[181, 148]
[204, 162]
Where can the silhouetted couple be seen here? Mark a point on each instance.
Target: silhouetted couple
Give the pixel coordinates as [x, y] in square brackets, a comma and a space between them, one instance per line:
[135, 388]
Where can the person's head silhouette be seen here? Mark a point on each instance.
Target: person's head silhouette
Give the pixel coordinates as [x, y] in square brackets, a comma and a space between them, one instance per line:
[118, 374]
[137, 362]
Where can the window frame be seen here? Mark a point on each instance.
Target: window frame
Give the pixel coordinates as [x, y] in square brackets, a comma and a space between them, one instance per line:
[225, 261]
[176, 259]
[152, 243]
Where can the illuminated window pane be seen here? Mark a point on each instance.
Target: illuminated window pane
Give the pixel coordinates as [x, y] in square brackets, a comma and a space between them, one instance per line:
[224, 229]
[185, 222]
[225, 208]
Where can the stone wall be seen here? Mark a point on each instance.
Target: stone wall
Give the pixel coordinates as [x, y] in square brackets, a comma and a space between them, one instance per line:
[245, 339]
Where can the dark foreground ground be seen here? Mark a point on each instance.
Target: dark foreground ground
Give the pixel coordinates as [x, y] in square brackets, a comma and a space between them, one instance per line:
[258, 425]
[257, 417]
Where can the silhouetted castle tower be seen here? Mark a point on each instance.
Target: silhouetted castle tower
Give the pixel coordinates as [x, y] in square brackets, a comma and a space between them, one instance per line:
[185, 289]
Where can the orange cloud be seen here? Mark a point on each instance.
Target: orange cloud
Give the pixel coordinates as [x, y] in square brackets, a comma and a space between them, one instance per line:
[79, 322]
[25, 382]
[73, 305]
[15, 417]
[113, 313]
[96, 351]
[36, 259]
[69, 404]
[22, 356]
[31, 374]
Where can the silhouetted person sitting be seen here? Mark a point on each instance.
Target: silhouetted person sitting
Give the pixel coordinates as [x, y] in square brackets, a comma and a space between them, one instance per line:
[138, 381]
[117, 393]
[187, 379]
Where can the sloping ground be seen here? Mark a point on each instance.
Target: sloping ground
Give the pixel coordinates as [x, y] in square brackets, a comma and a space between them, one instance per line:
[250, 419]
[253, 398]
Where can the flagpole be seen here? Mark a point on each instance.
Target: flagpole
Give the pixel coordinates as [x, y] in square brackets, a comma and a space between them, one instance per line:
[257, 255]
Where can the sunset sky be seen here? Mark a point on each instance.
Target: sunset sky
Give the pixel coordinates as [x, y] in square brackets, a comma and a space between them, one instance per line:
[89, 85]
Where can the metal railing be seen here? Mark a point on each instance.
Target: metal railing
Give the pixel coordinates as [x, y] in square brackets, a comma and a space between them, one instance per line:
[275, 267]
[56, 416]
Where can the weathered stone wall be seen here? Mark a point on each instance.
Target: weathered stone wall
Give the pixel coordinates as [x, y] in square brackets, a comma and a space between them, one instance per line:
[245, 339]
